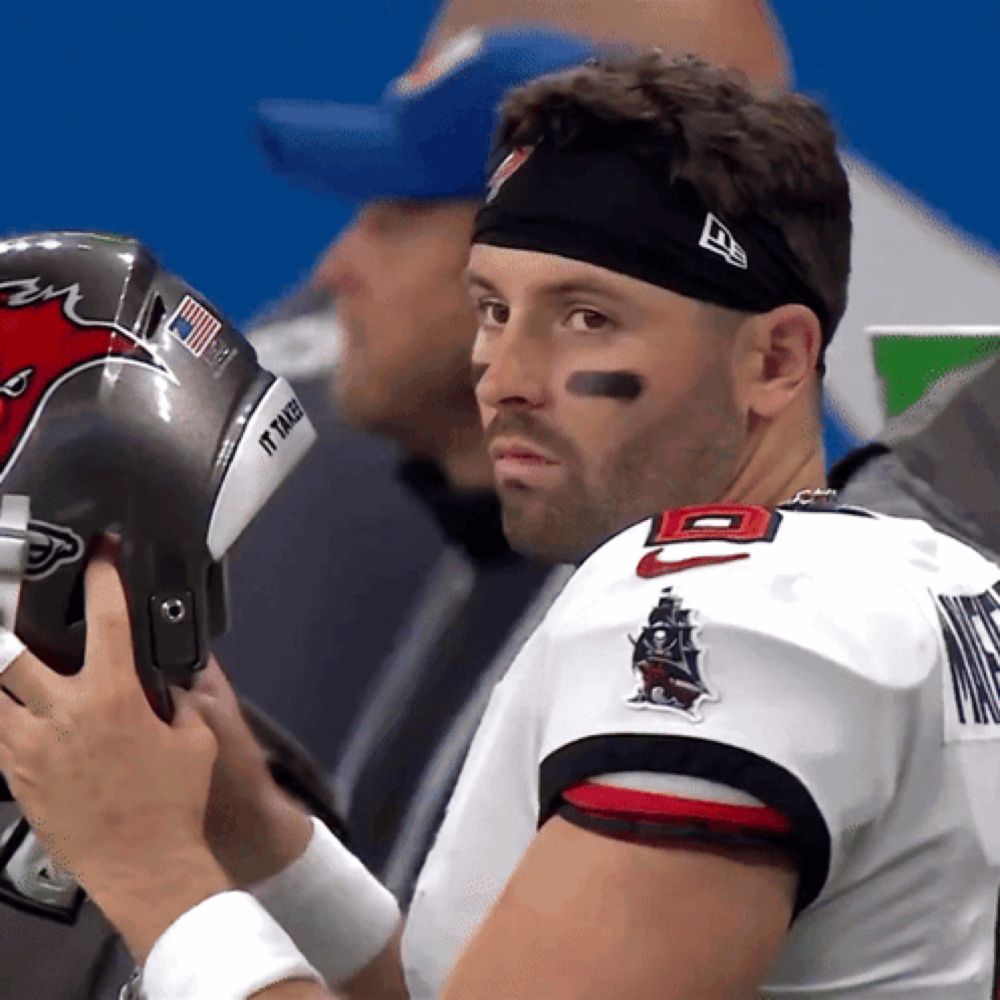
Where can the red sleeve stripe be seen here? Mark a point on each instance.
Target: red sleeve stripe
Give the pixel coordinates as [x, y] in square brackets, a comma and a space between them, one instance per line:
[628, 803]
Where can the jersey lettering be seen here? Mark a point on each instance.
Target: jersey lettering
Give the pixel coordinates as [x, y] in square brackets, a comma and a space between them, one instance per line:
[971, 627]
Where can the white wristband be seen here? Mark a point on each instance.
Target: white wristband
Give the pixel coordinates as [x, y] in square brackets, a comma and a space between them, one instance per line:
[10, 648]
[335, 910]
[225, 948]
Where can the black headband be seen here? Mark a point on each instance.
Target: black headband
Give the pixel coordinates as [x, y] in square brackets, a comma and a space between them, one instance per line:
[609, 208]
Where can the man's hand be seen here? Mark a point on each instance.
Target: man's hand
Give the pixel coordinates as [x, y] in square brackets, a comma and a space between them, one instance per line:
[116, 796]
[253, 827]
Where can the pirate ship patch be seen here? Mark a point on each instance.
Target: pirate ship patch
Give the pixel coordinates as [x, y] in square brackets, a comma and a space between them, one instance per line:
[667, 662]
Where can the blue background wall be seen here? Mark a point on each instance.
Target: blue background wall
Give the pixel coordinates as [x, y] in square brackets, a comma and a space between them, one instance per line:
[915, 88]
[118, 118]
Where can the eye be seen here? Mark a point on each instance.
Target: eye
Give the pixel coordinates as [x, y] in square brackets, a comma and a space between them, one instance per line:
[588, 320]
[493, 313]
[17, 384]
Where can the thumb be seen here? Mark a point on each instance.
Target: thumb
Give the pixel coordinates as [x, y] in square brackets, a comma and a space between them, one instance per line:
[187, 717]
[213, 683]
[203, 707]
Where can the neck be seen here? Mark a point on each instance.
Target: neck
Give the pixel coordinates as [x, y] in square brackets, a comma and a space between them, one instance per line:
[775, 466]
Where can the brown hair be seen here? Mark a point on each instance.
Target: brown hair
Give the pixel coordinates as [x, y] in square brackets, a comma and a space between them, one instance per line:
[745, 150]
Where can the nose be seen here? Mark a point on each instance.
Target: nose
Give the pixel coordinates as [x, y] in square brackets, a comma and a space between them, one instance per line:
[337, 270]
[514, 368]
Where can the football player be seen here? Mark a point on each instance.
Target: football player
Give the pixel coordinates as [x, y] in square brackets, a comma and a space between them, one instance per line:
[752, 748]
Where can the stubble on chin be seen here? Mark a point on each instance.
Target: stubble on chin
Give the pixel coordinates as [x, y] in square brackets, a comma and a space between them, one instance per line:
[550, 528]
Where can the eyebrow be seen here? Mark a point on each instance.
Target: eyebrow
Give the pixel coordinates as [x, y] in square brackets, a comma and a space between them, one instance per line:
[560, 289]
[473, 278]
[564, 289]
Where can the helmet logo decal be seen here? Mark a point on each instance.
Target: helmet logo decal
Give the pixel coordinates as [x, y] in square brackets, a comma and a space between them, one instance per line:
[17, 384]
[49, 547]
[43, 343]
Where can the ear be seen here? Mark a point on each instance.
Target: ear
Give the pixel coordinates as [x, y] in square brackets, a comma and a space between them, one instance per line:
[787, 342]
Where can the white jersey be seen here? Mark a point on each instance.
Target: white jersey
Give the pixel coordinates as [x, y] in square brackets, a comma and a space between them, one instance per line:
[821, 678]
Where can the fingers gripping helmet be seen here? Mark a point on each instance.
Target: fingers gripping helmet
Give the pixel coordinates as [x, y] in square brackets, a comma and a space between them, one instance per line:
[129, 404]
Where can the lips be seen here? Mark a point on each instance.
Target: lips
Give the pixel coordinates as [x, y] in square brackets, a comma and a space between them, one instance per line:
[511, 450]
[520, 465]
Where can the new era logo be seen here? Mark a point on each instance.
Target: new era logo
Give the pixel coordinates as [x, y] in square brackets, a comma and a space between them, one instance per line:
[717, 238]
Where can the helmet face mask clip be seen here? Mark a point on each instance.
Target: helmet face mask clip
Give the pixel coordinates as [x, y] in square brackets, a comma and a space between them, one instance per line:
[130, 406]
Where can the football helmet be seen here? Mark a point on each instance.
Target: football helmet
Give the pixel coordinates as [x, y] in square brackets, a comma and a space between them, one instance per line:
[128, 405]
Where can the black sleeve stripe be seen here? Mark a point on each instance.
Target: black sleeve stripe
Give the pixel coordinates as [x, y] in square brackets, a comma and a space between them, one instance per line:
[728, 765]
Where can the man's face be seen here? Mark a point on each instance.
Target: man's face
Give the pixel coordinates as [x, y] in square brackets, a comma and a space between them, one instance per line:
[604, 399]
[397, 276]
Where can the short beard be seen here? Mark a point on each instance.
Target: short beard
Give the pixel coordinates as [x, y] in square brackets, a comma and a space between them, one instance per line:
[565, 530]
[577, 519]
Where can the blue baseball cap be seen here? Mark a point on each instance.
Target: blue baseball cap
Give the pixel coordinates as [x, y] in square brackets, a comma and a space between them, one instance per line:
[430, 134]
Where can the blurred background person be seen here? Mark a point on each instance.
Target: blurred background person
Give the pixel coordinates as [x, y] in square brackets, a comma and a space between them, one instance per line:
[937, 461]
[414, 167]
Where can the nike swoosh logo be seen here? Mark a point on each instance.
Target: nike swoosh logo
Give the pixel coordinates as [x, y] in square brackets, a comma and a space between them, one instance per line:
[650, 565]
